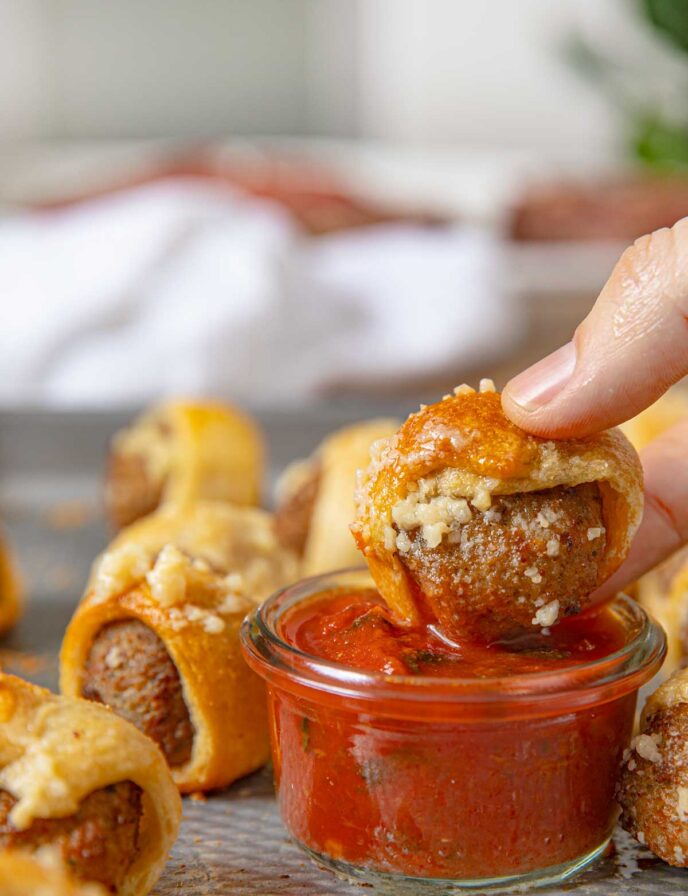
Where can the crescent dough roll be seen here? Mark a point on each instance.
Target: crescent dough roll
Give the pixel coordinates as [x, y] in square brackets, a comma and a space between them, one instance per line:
[466, 518]
[653, 785]
[655, 420]
[664, 594]
[180, 452]
[74, 767]
[664, 590]
[10, 588]
[157, 636]
[315, 497]
[24, 874]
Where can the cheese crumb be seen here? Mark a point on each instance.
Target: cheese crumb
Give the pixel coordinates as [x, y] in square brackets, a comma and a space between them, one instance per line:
[403, 543]
[646, 746]
[482, 500]
[464, 389]
[168, 577]
[534, 575]
[114, 658]
[682, 803]
[542, 519]
[547, 615]
[487, 385]
[553, 547]
[119, 569]
[595, 532]
[213, 624]
[390, 538]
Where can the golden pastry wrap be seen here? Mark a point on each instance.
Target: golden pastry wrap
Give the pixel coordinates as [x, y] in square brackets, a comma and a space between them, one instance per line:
[338, 459]
[27, 874]
[55, 751]
[664, 594]
[670, 409]
[664, 591]
[183, 452]
[191, 576]
[10, 588]
[469, 443]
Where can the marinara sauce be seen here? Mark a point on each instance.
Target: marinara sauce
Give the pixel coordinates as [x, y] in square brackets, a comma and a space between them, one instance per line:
[407, 754]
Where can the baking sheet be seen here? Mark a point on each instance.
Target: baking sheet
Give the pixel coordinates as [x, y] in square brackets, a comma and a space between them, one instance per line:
[233, 841]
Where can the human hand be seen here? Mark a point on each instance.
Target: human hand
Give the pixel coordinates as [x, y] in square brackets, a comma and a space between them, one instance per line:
[626, 353]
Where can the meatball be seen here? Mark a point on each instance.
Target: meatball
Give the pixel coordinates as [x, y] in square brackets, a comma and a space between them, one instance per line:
[293, 514]
[129, 669]
[130, 492]
[527, 560]
[653, 785]
[98, 843]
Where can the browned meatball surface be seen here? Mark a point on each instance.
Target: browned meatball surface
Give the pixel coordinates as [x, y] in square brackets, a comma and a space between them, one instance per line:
[98, 843]
[505, 567]
[129, 491]
[293, 515]
[653, 787]
[129, 669]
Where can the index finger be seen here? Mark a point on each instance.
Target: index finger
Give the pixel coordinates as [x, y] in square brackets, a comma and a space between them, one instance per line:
[627, 352]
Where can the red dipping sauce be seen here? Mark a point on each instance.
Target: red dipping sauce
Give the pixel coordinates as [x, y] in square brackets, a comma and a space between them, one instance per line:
[399, 753]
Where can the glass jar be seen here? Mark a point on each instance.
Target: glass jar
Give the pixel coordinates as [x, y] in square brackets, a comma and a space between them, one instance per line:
[447, 783]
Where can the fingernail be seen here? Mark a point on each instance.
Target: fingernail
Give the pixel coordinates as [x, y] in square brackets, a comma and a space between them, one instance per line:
[539, 384]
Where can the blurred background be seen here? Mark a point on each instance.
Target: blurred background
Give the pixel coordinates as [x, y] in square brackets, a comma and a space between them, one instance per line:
[304, 201]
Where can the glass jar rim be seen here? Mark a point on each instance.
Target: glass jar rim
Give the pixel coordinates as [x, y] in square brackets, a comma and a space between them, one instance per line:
[285, 665]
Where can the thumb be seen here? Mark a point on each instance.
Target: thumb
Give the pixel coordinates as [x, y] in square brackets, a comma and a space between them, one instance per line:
[627, 352]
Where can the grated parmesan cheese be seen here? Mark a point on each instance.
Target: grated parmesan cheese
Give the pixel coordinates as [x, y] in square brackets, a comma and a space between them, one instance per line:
[168, 577]
[533, 574]
[553, 547]
[682, 803]
[547, 615]
[647, 746]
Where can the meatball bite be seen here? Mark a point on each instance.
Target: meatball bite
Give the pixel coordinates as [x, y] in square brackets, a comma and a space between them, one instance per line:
[129, 669]
[131, 491]
[527, 560]
[98, 843]
[473, 524]
[653, 786]
[295, 505]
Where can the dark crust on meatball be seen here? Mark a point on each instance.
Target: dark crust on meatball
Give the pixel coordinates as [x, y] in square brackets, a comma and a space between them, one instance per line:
[98, 843]
[648, 791]
[293, 515]
[129, 491]
[129, 669]
[481, 582]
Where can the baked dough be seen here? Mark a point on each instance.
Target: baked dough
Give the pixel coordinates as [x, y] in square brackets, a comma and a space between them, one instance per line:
[653, 780]
[664, 590]
[191, 576]
[55, 751]
[670, 409]
[338, 459]
[41, 874]
[184, 452]
[474, 452]
[10, 588]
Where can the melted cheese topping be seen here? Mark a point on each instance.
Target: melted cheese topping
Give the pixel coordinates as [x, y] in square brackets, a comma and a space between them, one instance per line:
[201, 556]
[54, 751]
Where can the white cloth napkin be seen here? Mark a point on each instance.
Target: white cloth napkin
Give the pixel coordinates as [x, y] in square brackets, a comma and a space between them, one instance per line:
[183, 287]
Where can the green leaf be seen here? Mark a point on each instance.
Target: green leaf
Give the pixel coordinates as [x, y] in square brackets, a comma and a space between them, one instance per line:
[662, 145]
[670, 17]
